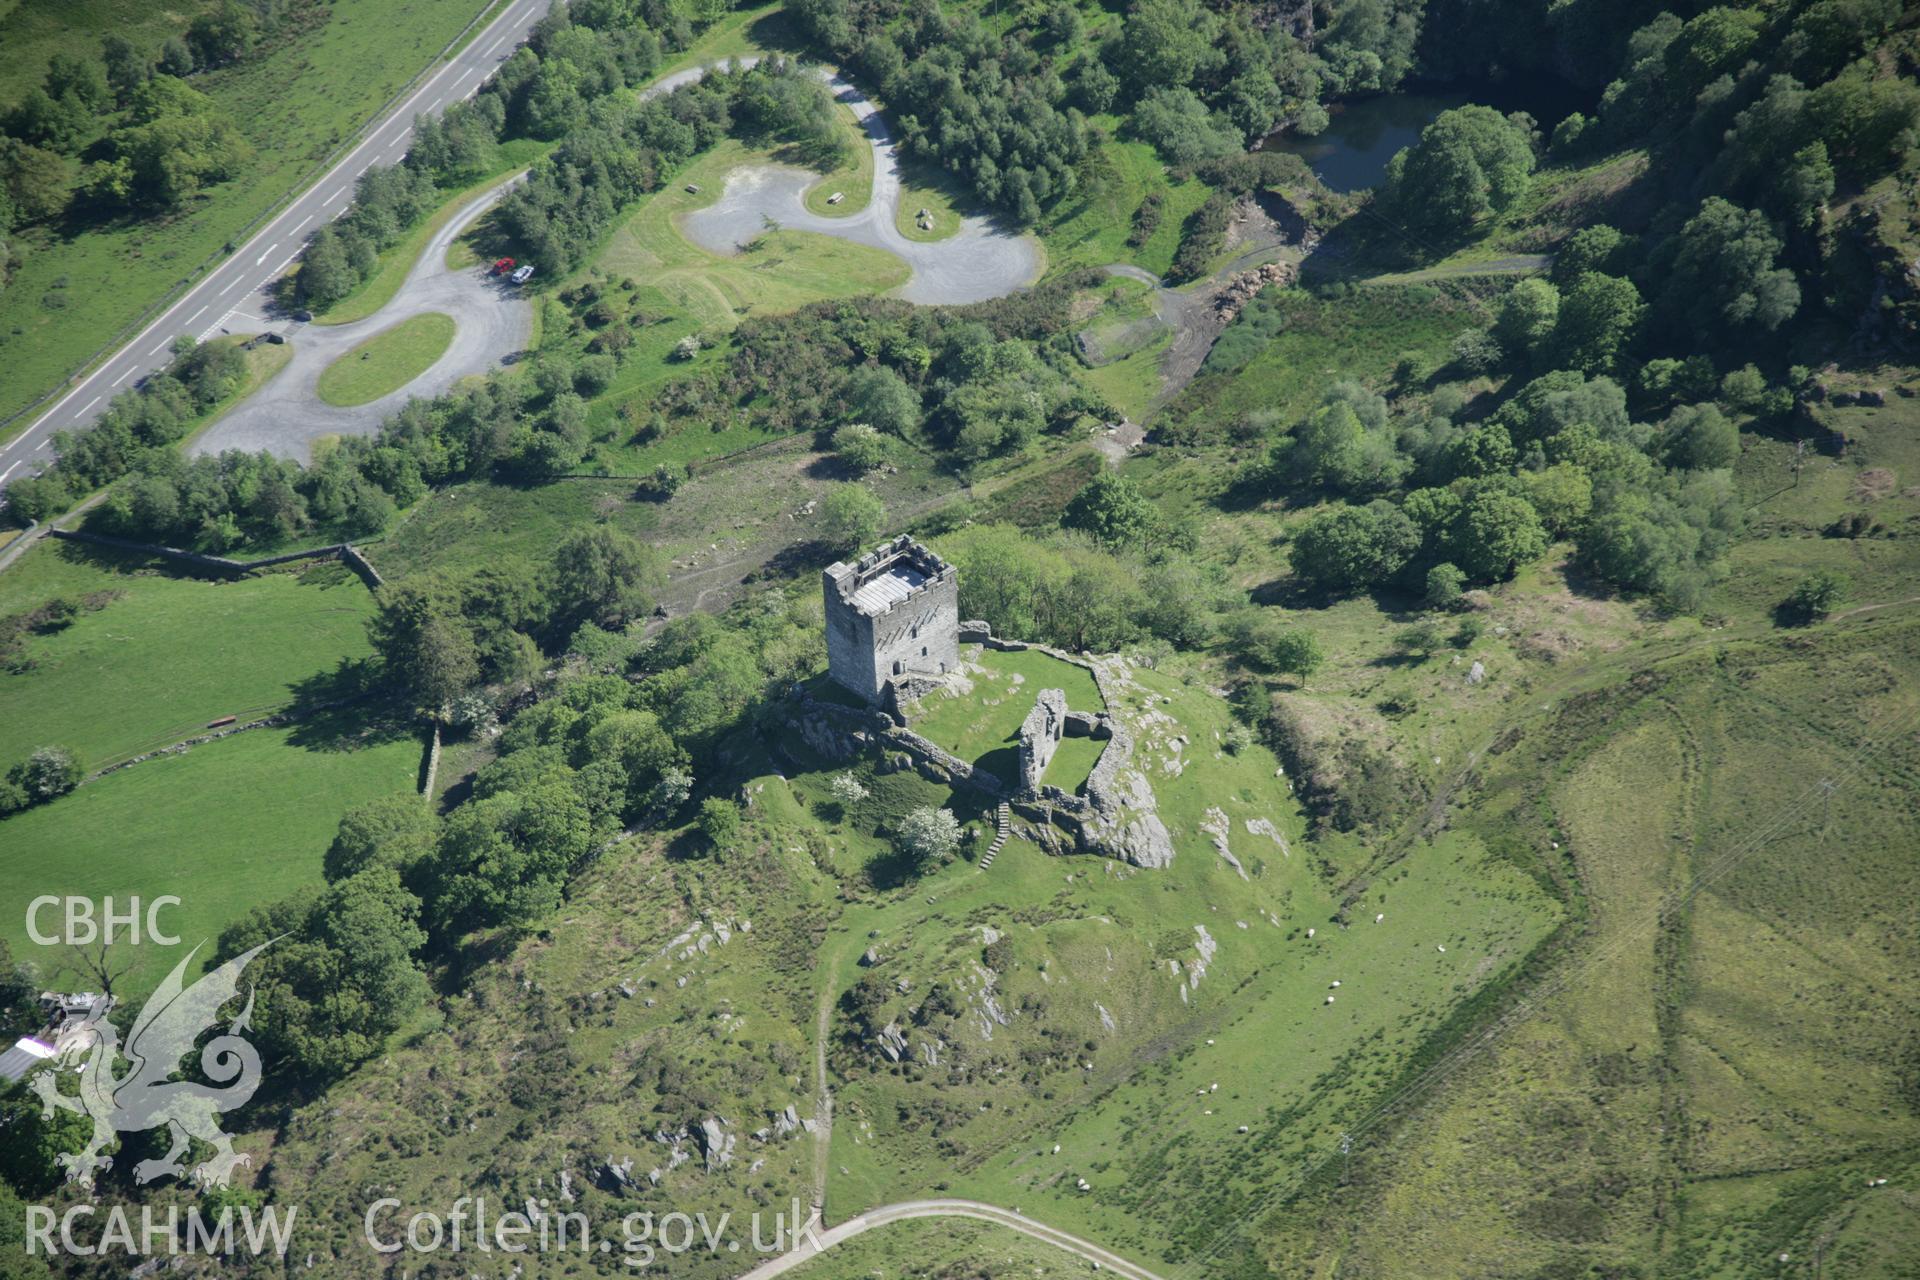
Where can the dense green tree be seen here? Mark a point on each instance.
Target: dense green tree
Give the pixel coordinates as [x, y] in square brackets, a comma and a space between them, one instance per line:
[423, 641]
[1711, 44]
[851, 516]
[861, 448]
[1699, 437]
[1527, 317]
[880, 397]
[1469, 163]
[604, 576]
[1721, 273]
[503, 858]
[33, 180]
[226, 34]
[1000, 578]
[395, 831]
[1814, 597]
[1484, 449]
[1495, 533]
[1828, 33]
[47, 774]
[640, 745]
[1345, 444]
[1554, 402]
[126, 67]
[1167, 43]
[1445, 585]
[1864, 120]
[340, 975]
[1349, 548]
[1598, 319]
[29, 1158]
[176, 141]
[176, 58]
[1369, 45]
[1561, 494]
[1597, 247]
[1181, 128]
[1112, 509]
[719, 822]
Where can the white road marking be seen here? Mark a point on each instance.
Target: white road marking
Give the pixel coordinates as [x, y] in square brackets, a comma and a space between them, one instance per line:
[283, 266]
[169, 342]
[88, 405]
[495, 45]
[10, 470]
[263, 257]
[196, 315]
[303, 222]
[405, 110]
[124, 376]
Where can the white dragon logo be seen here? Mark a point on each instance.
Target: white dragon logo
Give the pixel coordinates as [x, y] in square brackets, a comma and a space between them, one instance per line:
[145, 1097]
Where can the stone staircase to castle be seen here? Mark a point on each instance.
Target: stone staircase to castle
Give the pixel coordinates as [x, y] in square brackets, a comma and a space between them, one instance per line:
[1003, 828]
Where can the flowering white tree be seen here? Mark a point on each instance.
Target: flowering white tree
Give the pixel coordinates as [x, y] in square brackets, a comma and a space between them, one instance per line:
[929, 835]
[846, 790]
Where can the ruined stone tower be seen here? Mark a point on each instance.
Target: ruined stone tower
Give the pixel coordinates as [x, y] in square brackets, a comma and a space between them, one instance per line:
[893, 616]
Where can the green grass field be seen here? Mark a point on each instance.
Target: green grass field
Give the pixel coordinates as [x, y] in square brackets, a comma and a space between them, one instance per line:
[387, 361]
[226, 827]
[1092, 226]
[1745, 1040]
[685, 290]
[924, 186]
[853, 180]
[71, 293]
[1288, 346]
[32, 31]
[225, 648]
[979, 720]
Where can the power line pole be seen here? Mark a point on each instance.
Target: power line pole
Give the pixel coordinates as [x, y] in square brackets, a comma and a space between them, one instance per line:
[1827, 789]
[1346, 1149]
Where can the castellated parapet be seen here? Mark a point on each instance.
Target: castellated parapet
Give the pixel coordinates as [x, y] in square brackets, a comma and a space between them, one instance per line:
[893, 618]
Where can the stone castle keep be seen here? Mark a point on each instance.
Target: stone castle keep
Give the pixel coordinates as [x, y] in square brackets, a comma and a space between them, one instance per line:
[893, 636]
[893, 617]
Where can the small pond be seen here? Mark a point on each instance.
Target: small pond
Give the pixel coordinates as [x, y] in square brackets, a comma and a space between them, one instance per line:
[1363, 134]
[1352, 153]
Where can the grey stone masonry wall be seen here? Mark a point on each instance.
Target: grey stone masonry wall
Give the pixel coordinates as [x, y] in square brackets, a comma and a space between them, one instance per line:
[893, 613]
[1040, 735]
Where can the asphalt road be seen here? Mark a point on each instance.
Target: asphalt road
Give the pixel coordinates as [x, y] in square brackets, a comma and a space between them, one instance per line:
[233, 295]
[860, 1223]
[492, 323]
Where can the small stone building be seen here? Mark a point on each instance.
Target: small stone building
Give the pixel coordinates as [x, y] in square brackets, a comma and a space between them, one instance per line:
[893, 618]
